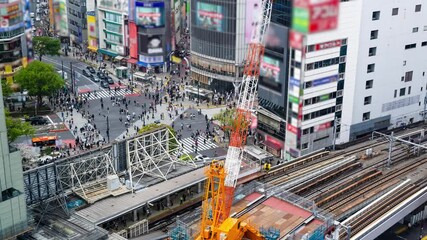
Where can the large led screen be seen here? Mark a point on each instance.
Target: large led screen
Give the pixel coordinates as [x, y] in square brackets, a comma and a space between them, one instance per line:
[210, 16]
[150, 15]
[270, 73]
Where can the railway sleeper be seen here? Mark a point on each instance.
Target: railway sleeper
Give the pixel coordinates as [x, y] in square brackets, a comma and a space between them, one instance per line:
[327, 176]
[320, 202]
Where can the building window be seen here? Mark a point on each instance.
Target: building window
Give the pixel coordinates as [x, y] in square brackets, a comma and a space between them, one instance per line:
[367, 100]
[371, 68]
[304, 146]
[402, 92]
[375, 15]
[408, 76]
[418, 8]
[409, 90]
[395, 11]
[372, 51]
[374, 34]
[369, 84]
[423, 44]
[415, 29]
[366, 116]
[410, 46]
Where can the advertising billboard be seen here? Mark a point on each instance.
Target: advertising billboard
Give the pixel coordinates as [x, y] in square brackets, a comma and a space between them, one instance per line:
[150, 15]
[270, 68]
[91, 24]
[253, 18]
[117, 5]
[133, 40]
[315, 16]
[325, 80]
[210, 16]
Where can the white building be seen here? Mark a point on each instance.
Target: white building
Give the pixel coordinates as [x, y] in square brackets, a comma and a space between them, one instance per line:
[111, 17]
[369, 73]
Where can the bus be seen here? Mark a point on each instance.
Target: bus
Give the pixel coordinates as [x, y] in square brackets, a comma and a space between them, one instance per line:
[45, 141]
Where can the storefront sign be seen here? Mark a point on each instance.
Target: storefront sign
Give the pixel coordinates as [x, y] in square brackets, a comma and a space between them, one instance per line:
[326, 45]
[291, 128]
[322, 126]
[325, 80]
[312, 17]
[296, 39]
[150, 59]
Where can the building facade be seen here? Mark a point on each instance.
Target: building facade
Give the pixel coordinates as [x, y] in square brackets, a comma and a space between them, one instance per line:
[367, 73]
[77, 22]
[112, 17]
[153, 26]
[273, 81]
[220, 33]
[13, 209]
[15, 37]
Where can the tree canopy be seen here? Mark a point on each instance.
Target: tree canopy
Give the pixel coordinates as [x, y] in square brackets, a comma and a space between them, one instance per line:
[16, 127]
[6, 89]
[46, 46]
[39, 79]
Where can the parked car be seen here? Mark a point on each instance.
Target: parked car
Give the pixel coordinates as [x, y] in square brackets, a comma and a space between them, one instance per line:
[85, 73]
[110, 80]
[91, 69]
[102, 76]
[95, 78]
[105, 84]
[37, 120]
[202, 158]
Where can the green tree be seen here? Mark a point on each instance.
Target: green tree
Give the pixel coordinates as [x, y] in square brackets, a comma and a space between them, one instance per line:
[226, 120]
[46, 46]
[16, 127]
[39, 79]
[6, 89]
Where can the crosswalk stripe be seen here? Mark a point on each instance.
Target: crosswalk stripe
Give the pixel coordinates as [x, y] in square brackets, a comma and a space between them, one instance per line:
[188, 142]
[105, 94]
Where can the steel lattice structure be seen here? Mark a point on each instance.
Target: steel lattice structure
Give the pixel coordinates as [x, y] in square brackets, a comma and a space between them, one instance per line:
[154, 153]
[85, 172]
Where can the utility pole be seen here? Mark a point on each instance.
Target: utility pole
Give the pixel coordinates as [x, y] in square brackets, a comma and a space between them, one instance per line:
[390, 149]
[108, 125]
[198, 92]
[71, 77]
[335, 133]
[62, 69]
[425, 108]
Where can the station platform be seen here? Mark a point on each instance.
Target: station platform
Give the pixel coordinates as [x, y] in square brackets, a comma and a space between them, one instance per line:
[113, 207]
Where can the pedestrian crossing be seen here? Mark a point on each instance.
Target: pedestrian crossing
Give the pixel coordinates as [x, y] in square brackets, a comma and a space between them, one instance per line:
[105, 94]
[187, 144]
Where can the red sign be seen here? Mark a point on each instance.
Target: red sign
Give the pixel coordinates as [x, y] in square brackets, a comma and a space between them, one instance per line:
[300, 111]
[326, 45]
[322, 126]
[296, 40]
[324, 15]
[292, 128]
[133, 40]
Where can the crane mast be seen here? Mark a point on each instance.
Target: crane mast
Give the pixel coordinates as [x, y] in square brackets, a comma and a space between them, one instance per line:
[245, 103]
[222, 177]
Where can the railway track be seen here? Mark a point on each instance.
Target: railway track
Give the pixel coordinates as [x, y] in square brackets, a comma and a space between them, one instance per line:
[363, 220]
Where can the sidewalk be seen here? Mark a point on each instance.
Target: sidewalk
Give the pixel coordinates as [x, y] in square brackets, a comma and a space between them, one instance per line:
[78, 121]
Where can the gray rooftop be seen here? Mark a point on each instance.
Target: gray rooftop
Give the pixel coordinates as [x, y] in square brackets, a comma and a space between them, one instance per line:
[113, 207]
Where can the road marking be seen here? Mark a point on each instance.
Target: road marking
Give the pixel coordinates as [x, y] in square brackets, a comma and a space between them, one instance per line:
[50, 120]
[188, 142]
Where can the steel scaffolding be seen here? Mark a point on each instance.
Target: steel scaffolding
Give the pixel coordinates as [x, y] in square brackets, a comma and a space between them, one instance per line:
[154, 153]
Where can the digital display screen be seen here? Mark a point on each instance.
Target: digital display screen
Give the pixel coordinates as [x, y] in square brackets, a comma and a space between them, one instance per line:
[270, 73]
[210, 16]
[150, 15]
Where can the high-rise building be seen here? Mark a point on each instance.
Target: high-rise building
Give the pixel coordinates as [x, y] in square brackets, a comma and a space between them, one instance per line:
[77, 22]
[366, 74]
[13, 210]
[220, 32]
[15, 37]
[273, 84]
[112, 20]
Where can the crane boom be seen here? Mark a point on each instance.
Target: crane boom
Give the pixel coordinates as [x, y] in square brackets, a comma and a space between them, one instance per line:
[245, 103]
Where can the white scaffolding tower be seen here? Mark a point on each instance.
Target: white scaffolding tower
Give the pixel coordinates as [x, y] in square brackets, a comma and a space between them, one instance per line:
[154, 153]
